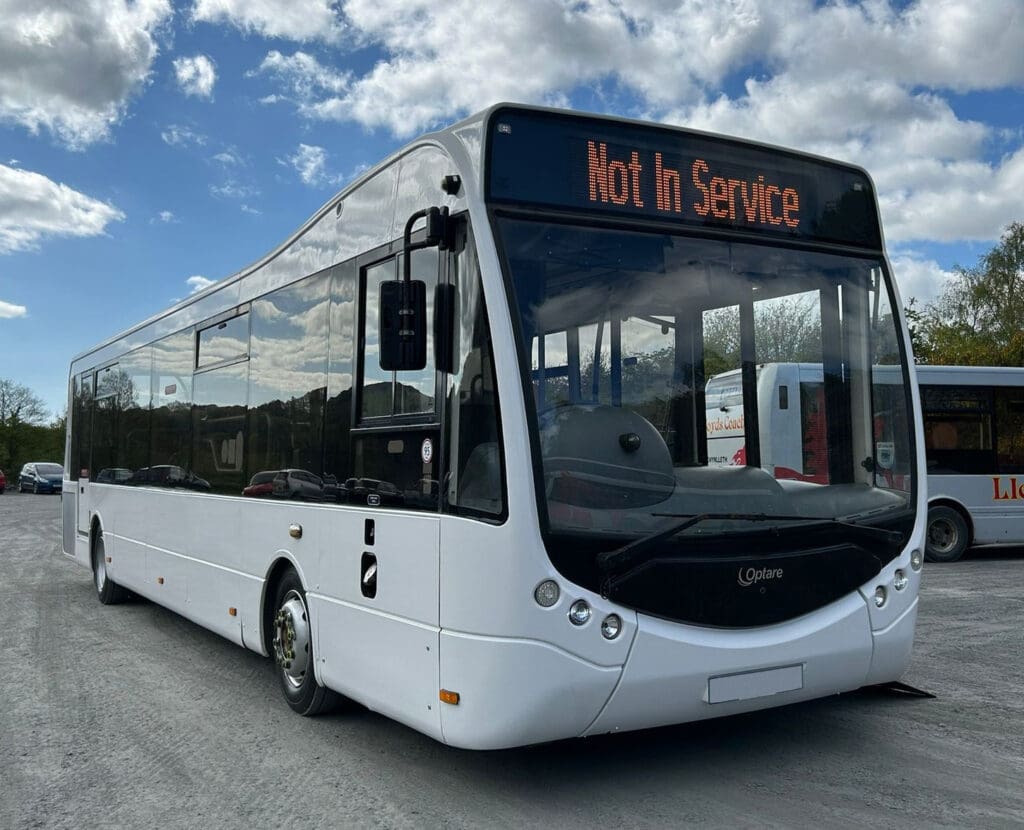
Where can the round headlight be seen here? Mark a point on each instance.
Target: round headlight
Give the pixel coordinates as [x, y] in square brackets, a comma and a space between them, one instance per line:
[880, 596]
[546, 594]
[916, 560]
[579, 613]
[899, 580]
[611, 626]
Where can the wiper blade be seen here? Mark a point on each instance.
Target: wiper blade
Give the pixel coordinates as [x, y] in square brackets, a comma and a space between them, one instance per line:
[624, 558]
[611, 560]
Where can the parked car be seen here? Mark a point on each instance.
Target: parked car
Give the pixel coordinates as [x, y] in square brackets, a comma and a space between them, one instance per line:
[41, 477]
[262, 484]
[114, 475]
[298, 484]
[3, 482]
[168, 475]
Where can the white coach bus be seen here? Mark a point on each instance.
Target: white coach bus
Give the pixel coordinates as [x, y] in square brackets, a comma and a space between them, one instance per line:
[974, 447]
[973, 435]
[444, 451]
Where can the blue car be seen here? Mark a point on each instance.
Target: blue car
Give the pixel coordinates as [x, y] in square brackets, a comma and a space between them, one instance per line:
[41, 477]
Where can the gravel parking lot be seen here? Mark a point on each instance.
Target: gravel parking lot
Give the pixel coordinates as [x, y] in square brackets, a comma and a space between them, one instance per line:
[130, 716]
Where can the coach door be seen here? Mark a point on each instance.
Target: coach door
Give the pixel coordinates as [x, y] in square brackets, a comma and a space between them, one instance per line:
[79, 460]
[379, 621]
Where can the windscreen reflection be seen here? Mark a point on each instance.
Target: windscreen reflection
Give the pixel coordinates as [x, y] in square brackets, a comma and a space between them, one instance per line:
[674, 376]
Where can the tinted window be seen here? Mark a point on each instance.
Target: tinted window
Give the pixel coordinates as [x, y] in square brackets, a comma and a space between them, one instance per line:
[288, 377]
[218, 428]
[227, 340]
[1010, 430]
[170, 439]
[958, 429]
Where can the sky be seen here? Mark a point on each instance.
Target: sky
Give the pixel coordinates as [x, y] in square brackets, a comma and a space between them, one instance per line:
[148, 148]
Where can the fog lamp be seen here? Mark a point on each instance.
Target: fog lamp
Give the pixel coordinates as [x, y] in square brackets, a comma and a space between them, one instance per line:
[880, 596]
[899, 580]
[916, 560]
[579, 613]
[611, 626]
[546, 594]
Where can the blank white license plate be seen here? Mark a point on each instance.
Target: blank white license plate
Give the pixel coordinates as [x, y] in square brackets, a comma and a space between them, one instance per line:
[751, 684]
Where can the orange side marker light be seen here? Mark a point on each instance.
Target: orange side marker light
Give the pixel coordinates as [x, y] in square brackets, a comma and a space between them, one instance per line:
[449, 697]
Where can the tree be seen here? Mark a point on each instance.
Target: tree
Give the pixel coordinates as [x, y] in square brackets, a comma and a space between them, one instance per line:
[979, 318]
[24, 435]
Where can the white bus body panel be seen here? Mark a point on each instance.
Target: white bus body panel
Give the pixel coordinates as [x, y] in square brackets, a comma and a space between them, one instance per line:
[995, 504]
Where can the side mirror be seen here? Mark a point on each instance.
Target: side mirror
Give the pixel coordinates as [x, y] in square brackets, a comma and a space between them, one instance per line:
[403, 325]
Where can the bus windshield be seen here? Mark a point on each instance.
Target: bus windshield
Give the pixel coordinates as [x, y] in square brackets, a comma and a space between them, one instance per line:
[666, 382]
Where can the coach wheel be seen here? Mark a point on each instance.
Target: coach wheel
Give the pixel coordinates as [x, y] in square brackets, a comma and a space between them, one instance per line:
[108, 591]
[948, 535]
[292, 648]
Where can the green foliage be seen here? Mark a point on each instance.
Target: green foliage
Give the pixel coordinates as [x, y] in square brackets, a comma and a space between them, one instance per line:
[979, 317]
[24, 435]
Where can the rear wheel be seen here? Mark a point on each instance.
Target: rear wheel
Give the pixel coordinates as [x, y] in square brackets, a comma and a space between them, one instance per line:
[292, 649]
[948, 534]
[108, 591]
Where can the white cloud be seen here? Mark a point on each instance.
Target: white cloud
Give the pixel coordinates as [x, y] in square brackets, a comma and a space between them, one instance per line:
[920, 279]
[178, 136]
[868, 82]
[232, 189]
[8, 311]
[196, 283]
[196, 76]
[229, 158]
[251, 210]
[33, 207]
[164, 217]
[71, 68]
[310, 162]
[300, 20]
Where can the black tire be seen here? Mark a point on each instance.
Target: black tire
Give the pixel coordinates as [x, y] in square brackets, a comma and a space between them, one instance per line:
[108, 591]
[948, 535]
[292, 650]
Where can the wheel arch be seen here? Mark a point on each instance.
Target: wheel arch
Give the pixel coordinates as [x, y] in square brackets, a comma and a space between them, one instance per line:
[283, 562]
[946, 501]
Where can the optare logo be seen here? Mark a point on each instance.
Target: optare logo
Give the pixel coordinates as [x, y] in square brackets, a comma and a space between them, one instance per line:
[751, 576]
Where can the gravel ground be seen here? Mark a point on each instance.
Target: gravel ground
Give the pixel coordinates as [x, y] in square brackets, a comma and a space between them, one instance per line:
[130, 716]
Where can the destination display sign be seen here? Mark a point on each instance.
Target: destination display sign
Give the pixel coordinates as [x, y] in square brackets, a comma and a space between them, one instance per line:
[588, 163]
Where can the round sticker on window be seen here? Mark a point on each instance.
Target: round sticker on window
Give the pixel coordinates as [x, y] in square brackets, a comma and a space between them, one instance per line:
[427, 450]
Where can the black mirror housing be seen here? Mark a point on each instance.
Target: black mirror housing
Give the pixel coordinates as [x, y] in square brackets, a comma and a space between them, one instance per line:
[403, 325]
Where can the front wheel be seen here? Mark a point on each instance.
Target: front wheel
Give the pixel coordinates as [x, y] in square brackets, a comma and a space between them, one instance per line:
[948, 534]
[292, 649]
[108, 591]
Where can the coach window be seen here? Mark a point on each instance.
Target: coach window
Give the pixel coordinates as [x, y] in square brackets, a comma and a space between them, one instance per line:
[475, 478]
[340, 370]
[82, 426]
[219, 406]
[287, 387]
[1010, 430]
[170, 433]
[957, 429]
[395, 444]
[133, 438]
[112, 395]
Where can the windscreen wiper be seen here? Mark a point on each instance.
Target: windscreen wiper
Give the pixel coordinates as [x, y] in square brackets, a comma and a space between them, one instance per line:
[624, 558]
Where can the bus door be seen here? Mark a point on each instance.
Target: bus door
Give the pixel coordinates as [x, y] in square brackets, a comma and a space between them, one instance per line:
[379, 628]
[80, 451]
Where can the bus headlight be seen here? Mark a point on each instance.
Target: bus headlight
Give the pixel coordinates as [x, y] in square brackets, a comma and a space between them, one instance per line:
[916, 560]
[579, 613]
[546, 594]
[880, 596]
[899, 580]
[611, 626]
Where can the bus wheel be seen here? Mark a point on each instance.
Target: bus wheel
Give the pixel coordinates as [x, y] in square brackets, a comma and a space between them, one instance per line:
[948, 535]
[108, 591]
[293, 650]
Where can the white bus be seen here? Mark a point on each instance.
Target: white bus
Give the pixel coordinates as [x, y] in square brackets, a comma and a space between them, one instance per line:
[973, 434]
[443, 452]
[974, 447]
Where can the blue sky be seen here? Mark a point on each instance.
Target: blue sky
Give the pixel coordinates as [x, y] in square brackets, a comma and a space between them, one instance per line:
[146, 147]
